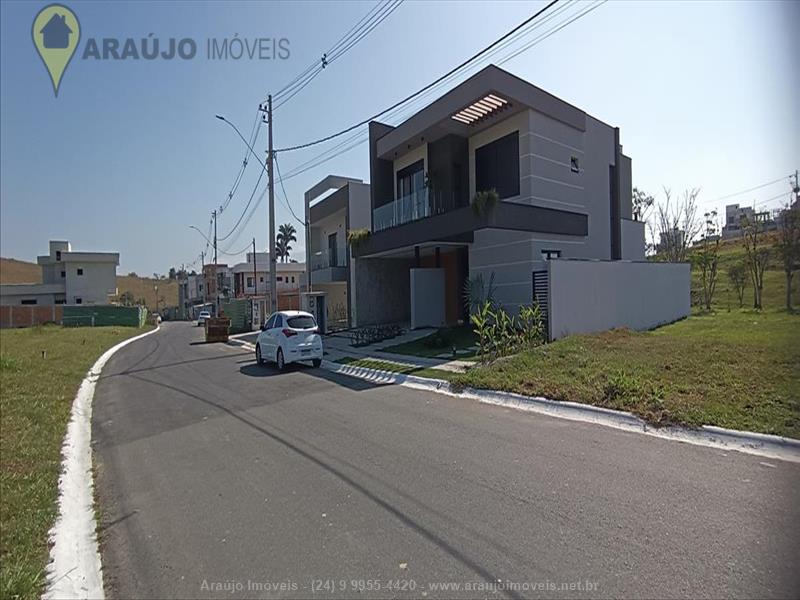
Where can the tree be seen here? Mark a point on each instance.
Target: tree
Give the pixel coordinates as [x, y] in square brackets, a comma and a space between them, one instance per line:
[283, 241]
[676, 225]
[642, 203]
[132, 274]
[126, 299]
[737, 275]
[172, 273]
[788, 246]
[757, 256]
[707, 259]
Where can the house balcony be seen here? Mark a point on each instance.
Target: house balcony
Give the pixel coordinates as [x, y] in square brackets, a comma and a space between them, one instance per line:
[417, 205]
[329, 265]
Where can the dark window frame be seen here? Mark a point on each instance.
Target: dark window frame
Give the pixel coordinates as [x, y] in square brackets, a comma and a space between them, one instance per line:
[29, 301]
[413, 168]
[80, 272]
[497, 166]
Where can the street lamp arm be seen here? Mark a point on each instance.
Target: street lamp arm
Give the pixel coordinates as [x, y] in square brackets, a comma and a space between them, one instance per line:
[201, 233]
[244, 141]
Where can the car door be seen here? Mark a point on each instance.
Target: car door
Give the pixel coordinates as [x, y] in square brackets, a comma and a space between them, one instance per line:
[263, 338]
[274, 335]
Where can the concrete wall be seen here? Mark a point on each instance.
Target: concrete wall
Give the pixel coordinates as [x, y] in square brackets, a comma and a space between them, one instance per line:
[360, 210]
[632, 240]
[588, 296]
[427, 297]
[99, 279]
[380, 291]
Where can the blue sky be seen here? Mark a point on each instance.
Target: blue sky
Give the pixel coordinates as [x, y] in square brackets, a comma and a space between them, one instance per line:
[129, 155]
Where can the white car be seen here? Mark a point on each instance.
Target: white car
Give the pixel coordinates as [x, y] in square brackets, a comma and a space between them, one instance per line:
[202, 317]
[289, 336]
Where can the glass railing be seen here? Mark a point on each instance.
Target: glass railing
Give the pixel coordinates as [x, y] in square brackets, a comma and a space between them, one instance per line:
[329, 257]
[412, 207]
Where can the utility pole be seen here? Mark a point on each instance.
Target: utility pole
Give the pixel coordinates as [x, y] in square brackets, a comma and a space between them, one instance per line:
[203, 274]
[255, 275]
[273, 284]
[216, 277]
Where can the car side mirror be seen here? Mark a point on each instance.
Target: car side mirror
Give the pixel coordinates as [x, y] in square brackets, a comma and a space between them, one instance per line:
[263, 327]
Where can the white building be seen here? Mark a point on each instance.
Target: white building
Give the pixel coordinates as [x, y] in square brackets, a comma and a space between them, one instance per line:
[253, 279]
[68, 278]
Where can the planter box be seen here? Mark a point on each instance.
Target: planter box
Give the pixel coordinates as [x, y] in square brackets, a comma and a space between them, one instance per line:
[217, 329]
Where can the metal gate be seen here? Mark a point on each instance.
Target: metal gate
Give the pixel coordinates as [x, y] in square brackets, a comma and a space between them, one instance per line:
[541, 296]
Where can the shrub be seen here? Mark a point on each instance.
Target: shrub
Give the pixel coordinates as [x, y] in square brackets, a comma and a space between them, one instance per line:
[357, 236]
[482, 202]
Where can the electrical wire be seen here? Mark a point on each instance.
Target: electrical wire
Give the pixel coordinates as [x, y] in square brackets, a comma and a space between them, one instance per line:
[287, 204]
[428, 86]
[249, 201]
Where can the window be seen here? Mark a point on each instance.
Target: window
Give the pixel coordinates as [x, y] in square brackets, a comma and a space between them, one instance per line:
[58, 254]
[32, 301]
[249, 282]
[292, 278]
[63, 274]
[497, 166]
[411, 179]
[61, 301]
[80, 271]
[270, 323]
[574, 164]
[261, 280]
[302, 322]
[78, 300]
[279, 278]
[550, 254]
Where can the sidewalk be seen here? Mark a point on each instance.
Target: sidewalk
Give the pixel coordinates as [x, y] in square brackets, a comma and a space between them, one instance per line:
[337, 346]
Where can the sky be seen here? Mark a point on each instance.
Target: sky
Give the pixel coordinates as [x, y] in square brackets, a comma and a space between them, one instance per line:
[130, 154]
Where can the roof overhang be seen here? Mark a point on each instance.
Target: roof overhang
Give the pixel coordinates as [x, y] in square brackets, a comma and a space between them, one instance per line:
[469, 99]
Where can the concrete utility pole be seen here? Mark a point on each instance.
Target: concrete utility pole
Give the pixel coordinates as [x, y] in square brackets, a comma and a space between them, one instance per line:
[216, 277]
[203, 274]
[273, 282]
[255, 275]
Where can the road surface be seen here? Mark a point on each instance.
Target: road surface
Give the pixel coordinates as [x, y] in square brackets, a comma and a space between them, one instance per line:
[219, 478]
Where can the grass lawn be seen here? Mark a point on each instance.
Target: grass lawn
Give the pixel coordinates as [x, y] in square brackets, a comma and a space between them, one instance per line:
[35, 403]
[440, 342]
[738, 369]
[385, 365]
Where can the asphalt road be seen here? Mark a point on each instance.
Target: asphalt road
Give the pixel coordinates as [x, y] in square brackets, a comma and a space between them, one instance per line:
[219, 478]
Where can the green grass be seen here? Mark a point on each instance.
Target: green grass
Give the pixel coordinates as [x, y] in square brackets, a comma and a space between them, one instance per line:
[35, 404]
[384, 365]
[738, 369]
[439, 342]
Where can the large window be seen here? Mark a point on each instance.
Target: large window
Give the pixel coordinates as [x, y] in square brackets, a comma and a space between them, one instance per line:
[497, 166]
[411, 179]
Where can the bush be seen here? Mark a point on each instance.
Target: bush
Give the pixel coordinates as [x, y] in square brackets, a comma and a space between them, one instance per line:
[357, 236]
[500, 334]
[482, 202]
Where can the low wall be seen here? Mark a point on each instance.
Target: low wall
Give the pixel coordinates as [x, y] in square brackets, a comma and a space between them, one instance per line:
[21, 315]
[591, 295]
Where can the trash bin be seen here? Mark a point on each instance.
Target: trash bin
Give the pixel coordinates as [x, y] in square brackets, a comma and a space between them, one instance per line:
[217, 329]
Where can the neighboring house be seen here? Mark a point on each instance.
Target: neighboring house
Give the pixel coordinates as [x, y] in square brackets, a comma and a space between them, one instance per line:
[56, 32]
[735, 215]
[190, 295]
[330, 266]
[564, 190]
[222, 283]
[251, 280]
[68, 278]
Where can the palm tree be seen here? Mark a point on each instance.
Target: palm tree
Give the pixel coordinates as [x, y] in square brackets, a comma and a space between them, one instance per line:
[283, 241]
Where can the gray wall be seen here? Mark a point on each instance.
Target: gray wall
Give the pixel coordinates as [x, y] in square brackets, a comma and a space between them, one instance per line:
[592, 295]
[427, 298]
[632, 240]
[381, 291]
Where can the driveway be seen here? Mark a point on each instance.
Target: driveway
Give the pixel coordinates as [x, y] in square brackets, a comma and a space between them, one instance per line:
[219, 478]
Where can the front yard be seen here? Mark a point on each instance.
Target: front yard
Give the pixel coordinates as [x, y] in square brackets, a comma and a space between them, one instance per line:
[36, 394]
[738, 369]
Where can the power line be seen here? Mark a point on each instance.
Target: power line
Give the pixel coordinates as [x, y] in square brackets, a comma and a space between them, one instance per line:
[752, 189]
[246, 248]
[287, 203]
[239, 220]
[253, 136]
[420, 91]
[358, 32]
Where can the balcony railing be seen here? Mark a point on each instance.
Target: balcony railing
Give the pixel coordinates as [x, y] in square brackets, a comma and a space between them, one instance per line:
[329, 257]
[412, 207]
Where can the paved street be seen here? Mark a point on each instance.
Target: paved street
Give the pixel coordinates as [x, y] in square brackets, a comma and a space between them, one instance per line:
[219, 478]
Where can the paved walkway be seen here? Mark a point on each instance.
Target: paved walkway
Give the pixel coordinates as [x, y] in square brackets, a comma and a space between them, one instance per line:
[337, 346]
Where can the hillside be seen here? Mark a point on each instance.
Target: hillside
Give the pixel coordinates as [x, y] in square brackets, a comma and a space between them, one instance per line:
[20, 271]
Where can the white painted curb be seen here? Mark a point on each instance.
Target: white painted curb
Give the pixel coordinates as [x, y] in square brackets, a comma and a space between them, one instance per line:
[75, 570]
[760, 444]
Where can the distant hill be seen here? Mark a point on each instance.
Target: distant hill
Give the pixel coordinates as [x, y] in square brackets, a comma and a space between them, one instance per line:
[20, 271]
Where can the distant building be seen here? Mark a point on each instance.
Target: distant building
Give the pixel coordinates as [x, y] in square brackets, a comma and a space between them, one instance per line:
[68, 278]
[251, 280]
[735, 214]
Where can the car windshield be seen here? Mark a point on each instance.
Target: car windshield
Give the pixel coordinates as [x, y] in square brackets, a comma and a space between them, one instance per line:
[302, 322]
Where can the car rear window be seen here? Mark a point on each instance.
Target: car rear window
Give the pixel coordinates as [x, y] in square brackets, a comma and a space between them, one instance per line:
[302, 322]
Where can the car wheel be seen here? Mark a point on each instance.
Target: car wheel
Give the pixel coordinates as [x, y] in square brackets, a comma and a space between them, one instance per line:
[259, 358]
[279, 360]
[317, 362]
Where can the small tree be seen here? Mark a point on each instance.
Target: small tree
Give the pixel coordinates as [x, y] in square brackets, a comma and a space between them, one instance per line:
[172, 273]
[707, 259]
[284, 239]
[788, 246]
[126, 299]
[676, 225]
[642, 203]
[737, 275]
[757, 256]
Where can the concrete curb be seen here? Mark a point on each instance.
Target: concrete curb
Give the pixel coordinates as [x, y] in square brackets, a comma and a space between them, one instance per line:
[75, 569]
[760, 444]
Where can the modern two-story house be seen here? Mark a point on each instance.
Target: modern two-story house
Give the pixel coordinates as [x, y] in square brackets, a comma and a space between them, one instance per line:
[564, 188]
